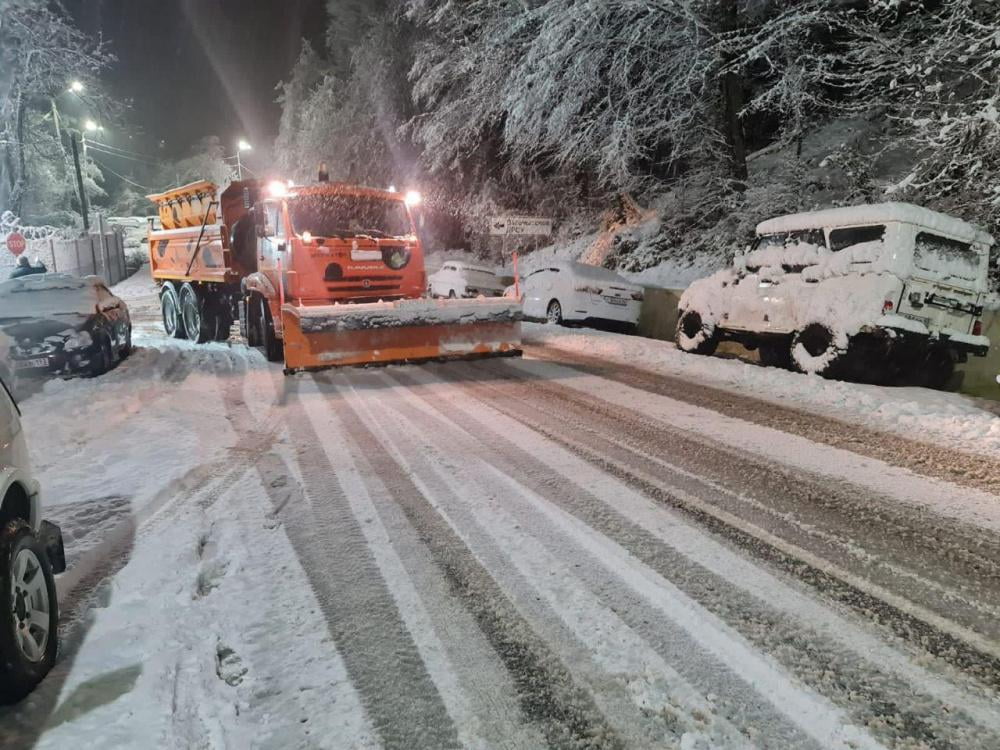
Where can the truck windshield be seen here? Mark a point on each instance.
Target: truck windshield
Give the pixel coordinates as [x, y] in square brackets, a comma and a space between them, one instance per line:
[339, 215]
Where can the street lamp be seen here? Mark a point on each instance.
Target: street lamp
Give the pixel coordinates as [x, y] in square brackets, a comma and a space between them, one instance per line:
[90, 126]
[240, 148]
[76, 87]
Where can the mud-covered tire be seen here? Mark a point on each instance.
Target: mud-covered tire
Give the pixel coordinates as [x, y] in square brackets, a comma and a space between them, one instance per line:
[170, 310]
[197, 317]
[270, 343]
[775, 354]
[939, 366]
[696, 335]
[19, 672]
[818, 350]
[553, 313]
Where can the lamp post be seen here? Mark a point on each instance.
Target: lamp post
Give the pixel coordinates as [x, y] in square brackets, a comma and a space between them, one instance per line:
[240, 148]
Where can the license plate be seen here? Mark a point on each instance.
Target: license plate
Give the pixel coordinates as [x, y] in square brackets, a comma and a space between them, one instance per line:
[366, 255]
[616, 301]
[26, 364]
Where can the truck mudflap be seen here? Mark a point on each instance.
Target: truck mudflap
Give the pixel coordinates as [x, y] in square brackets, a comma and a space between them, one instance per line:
[399, 332]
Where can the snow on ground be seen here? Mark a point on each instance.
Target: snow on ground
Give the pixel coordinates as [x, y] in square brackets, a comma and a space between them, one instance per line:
[948, 419]
[493, 554]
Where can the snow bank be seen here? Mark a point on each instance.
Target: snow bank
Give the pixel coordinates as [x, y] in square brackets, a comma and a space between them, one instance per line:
[946, 419]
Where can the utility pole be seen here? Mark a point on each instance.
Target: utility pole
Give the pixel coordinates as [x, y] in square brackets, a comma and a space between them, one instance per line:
[79, 184]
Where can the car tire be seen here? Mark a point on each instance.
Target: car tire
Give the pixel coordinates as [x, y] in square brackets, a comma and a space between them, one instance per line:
[776, 354]
[127, 346]
[26, 584]
[451, 294]
[197, 318]
[939, 366]
[103, 358]
[553, 313]
[170, 309]
[818, 350]
[270, 343]
[695, 335]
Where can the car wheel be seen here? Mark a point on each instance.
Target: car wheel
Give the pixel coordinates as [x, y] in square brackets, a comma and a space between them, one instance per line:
[817, 349]
[127, 346]
[199, 324]
[554, 313]
[696, 335]
[30, 617]
[939, 366]
[273, 349]
[103, 357]
[451, 294]
[170, 308]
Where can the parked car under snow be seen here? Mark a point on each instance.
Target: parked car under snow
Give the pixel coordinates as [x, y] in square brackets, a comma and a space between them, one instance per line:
[459, 279]
[61, 324]
[565, 292]
[885, 293]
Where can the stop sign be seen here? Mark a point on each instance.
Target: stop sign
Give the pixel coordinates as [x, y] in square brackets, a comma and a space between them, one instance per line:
[16, 243]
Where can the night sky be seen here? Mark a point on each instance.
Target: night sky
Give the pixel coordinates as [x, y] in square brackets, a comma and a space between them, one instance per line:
[201, 67]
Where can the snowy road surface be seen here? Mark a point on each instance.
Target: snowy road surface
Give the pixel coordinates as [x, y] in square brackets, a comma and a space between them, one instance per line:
[550, 552]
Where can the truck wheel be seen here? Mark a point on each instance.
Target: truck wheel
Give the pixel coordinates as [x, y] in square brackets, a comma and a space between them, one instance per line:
[170, 307]
[695, 335]
[30, 617]
[273, 349]
[199, 324]
[818, 350]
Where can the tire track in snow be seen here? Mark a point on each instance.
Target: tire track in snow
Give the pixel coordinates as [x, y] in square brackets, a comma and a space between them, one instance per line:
[590, 630]
[878, 700]
[946, 568]
[546, 692]
[930, 460]
[379, 654]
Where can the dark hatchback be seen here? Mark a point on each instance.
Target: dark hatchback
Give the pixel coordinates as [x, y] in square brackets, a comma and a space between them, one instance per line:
[59, 324]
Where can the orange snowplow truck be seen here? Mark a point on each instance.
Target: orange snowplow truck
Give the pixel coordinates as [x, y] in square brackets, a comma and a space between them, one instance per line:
[318, 276]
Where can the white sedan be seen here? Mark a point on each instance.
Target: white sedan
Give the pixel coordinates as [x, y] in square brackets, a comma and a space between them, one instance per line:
[460, 279]
[564, 292]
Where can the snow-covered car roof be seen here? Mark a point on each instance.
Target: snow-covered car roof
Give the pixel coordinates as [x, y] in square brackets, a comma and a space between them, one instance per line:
[875, 214]
[466, 266]
[588, 271]
[48, 294]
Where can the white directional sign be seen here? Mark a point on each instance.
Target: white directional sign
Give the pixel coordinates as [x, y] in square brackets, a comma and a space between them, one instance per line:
[521, 226]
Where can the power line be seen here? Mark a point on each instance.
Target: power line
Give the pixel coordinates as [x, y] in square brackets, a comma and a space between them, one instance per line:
[123, 177]
[109, 147]
[92, 147]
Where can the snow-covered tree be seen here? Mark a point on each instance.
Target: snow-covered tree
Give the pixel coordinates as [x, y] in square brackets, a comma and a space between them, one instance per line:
[39, 52]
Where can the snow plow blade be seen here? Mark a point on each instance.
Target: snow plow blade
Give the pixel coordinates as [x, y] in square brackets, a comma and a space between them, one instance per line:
[399, 332]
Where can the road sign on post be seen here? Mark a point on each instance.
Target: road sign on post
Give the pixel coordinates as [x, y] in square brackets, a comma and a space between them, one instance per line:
[520, 226]
[16, 243]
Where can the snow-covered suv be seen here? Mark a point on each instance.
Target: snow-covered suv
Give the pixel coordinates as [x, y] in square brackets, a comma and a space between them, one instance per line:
[31, 551]
[879, 292]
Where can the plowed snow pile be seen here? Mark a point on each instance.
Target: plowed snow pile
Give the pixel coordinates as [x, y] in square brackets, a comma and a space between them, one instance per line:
[947, 419]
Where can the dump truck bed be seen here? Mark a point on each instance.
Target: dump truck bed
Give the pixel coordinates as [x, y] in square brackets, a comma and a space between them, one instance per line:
[399, 332]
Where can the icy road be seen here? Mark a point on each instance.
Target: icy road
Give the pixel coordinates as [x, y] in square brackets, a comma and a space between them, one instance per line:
[560, 551]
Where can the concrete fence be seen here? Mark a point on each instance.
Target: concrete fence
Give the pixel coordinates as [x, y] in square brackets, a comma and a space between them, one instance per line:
[98, 254]
[977, 377]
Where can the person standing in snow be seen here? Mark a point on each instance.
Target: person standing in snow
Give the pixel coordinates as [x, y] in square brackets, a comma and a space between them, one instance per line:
[24, 268]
